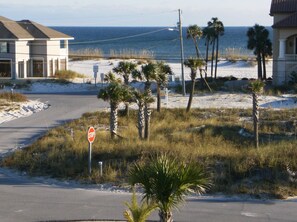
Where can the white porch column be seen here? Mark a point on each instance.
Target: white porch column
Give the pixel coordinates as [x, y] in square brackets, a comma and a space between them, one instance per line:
[282, 48]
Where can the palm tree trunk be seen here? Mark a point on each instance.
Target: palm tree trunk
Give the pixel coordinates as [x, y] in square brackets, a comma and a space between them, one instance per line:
[158, 98]
[259, 66]
[212, 58]
[191, 95]
[206, 57]
[256, 119]
[197, 49]
[264, 66]
[141, 120]
[113, 120]
[165, 216]
[217, 55]
[147, 119]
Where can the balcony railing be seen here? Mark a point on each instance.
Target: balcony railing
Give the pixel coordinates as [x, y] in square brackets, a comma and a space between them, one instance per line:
[291, 57]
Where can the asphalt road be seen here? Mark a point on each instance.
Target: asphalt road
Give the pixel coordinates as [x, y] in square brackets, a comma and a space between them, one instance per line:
[30, 199]
[63, 107]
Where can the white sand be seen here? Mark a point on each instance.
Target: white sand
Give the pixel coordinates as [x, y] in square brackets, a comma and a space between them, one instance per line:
[212, 100]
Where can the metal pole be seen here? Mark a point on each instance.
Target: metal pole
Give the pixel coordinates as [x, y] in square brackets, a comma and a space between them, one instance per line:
[90, 158]
[181, 52]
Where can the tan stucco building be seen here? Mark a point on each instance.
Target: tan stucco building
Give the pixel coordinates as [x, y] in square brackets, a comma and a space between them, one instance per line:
[28, 50]
[284, 14]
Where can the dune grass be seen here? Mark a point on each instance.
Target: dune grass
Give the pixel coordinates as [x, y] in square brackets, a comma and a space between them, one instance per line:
[68, 74]
[13, 97]
[208, 136]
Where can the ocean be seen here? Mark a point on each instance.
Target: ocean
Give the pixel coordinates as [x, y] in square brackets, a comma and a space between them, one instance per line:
[162, 42]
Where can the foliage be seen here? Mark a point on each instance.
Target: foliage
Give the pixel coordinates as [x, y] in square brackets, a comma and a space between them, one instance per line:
[124, 69]
[166, 180]
[256, 86]
[209, 137]
[14, 97]
[195, 33]
[68, 74]
[138, 213]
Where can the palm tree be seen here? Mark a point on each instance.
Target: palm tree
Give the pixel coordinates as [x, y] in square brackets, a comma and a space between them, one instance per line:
[138, 213]
[218, 29]
[148, 73]
[125, 69]
[166, 181]
[256, 87]
[258, 40]
[163, 70]
[141, 98]
[115, 93]
[194, 65]
[195, 33]
[208, 34]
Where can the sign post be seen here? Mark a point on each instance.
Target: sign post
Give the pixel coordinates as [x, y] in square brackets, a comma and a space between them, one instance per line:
[95, 70]
[91, 138]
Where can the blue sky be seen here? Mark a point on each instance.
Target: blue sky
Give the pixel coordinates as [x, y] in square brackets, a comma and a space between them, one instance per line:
[137, 12]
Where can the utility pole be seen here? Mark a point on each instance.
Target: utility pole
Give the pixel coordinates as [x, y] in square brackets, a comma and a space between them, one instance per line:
[181, 51]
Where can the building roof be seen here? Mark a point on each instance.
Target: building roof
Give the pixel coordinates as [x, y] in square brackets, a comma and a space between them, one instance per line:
[27, 29]
[289, 22]
[283, 6]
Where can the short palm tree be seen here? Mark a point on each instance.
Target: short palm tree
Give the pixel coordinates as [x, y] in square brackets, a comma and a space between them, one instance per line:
[195, 33]
[136, 212]
[166, 181]
[258, 40]
[115, 93]
[194, 64]
[163, 70]
[125, 68]
[256, 87]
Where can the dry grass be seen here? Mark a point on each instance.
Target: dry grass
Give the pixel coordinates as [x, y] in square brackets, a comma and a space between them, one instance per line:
[68, 75]
[208, 136]
[13, 97]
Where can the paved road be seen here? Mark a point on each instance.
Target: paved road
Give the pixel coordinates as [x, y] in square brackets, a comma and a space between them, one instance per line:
[30, 199]
[63, 107]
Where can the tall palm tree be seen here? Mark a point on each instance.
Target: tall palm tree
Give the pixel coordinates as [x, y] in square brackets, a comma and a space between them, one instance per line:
[141, 98]
[115, 93]
[194, 64]
[258, 40]
[195, 33]
[218, 29]
[148, 73]
[256, 87]
[125, 68]
[208, 35]
[166, 181]
[163, 70]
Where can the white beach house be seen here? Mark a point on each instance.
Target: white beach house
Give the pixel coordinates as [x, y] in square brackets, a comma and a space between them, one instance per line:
[28, 49]
[284, 14]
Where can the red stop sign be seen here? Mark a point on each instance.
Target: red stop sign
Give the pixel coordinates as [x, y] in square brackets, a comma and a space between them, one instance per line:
[91, 134]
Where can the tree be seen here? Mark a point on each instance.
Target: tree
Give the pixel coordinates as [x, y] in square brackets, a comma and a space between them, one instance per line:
[141, 98]
[194, 65]
[166, 181]
[115, 93]
[148, 73]
[218, 30]
[125, 69]
[256, 87]
[195, 33]
[258, 40]
[138, 213]
[208, 34]
[163, 70]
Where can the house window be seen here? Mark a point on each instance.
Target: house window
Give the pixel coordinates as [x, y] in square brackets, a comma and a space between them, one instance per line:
[37, 68]
[5, 68]
[4, 47]
[62, 44]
